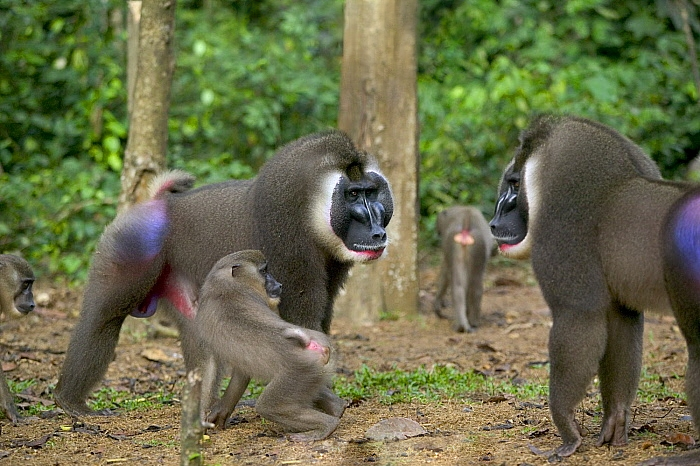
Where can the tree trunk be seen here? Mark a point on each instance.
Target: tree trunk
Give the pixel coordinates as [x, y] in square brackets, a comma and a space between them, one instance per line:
[148, 128]
[378, 109]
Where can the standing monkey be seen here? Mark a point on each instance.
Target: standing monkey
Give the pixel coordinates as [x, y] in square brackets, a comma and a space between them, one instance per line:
[316, 207]
[467, 245]
[16, 280]
[239, 329]
[588, 205]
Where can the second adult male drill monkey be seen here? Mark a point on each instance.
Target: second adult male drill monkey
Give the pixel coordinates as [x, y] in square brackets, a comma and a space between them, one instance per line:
[588, 206]
[316, 207]
[241, 331]
[467, 245]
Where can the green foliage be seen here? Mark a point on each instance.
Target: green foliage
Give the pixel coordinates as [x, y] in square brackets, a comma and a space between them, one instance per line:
[242, 88]
[251, 76]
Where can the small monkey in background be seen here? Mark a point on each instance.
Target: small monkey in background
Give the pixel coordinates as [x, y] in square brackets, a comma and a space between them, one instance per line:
[16, 280]
[241, 331]
[467, 245]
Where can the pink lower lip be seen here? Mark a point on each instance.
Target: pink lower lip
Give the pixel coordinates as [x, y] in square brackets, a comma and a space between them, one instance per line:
[373, 254]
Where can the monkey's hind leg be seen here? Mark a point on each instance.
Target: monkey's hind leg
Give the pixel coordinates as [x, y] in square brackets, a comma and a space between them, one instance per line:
[288, 402]
[460, 292]
[6, 401]
[90, 351]
[619, 373]
[573, 366]
[330, 403]
[443, 281]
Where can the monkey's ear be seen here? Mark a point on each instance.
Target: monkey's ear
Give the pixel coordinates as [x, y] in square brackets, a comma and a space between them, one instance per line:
[234, 267]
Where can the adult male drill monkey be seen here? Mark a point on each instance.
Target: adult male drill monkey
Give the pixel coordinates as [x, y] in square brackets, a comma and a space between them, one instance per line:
[316, 207]
[588, 205]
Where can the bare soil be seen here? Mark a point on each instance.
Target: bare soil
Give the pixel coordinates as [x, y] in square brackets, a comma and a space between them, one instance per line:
[511, 342]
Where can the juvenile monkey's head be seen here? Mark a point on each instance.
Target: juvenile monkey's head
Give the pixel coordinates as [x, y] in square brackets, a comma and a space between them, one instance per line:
[250, 267]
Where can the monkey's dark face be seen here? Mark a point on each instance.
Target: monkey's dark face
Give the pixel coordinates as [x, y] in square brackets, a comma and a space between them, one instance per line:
[509, 225]
[24, 299]
[358, 213]
[272, 286]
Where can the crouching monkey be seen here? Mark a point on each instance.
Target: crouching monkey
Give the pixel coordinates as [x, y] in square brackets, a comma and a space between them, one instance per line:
[241, 331]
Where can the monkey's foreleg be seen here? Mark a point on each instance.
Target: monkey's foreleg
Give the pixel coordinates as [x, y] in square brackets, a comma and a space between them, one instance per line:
[223, 408]
[573, 366]
[7, 402]
[619, 373]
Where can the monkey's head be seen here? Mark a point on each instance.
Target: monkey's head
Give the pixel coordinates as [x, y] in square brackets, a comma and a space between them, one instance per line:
[16, 280]
[356, 204]
[323, 185]
[517, 202]
[250, 267]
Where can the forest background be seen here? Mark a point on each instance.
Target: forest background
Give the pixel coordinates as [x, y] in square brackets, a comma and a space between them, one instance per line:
[252, 75]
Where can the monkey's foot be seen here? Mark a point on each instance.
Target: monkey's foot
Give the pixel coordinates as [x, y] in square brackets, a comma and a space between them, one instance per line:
[566, 449]
[81, 409]
[613, 430]
[218, 416]
[688, 459]
[459, 328]
[330, 403]
[11, 413]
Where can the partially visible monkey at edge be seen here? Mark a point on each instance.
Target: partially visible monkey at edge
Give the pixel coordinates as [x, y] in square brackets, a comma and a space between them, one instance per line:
[318, 198]
[588, 206]
[467, 245]
[240, 329]
[16, 281]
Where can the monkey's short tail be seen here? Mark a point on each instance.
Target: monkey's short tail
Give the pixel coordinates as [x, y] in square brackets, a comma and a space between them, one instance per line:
[171, 181]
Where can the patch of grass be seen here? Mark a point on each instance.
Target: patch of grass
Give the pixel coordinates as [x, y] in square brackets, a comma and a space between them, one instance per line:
[110, 398]
[426, 385]
[652, 387]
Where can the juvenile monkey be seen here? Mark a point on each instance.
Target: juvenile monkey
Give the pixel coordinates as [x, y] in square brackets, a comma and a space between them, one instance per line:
[589, 206]
[467, 245]
[16, 280]
[237, 325]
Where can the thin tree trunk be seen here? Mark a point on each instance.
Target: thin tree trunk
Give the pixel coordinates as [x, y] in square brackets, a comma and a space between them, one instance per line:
[191, 429]
[378, 109]
[148, 129]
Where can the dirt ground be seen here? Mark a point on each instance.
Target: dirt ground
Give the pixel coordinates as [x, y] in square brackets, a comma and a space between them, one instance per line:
[511, 342]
